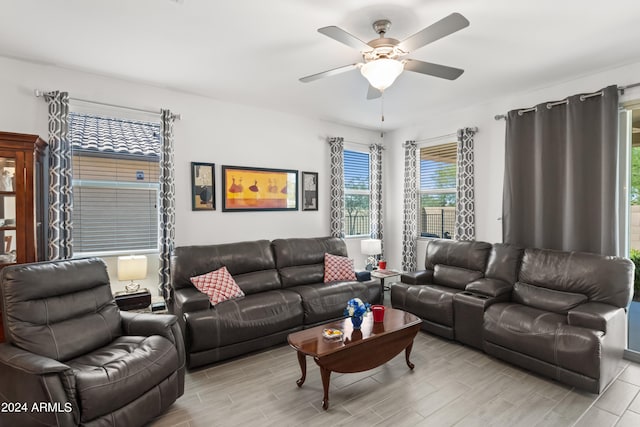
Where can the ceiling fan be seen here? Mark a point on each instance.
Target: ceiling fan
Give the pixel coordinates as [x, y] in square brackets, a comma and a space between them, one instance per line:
[382, 56]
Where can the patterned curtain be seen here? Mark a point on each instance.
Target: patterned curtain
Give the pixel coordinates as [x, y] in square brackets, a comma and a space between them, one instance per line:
[375, 184]
[167, 209]
[410, 217]
[336, 190]
[60, 177]
[465, 228]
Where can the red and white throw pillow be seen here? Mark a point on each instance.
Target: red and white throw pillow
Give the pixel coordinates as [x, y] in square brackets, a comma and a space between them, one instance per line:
[218, 285]
[338, 268]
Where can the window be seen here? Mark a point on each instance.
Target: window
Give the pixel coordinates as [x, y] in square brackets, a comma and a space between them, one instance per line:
[115, 184]
[356, 193]
[437, 190]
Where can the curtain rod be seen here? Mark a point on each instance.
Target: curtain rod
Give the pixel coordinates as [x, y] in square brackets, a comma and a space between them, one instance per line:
[621, 89]
[434, 138]
[40, 93]
[366, 144]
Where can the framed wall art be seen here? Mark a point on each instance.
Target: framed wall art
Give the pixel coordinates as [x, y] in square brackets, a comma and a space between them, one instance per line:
[203, 190]
[259, 189]
[309, 191]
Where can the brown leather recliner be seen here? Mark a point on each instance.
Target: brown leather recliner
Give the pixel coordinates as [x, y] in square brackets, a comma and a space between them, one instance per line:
[449, 267]
[566, 318]
[72, 358]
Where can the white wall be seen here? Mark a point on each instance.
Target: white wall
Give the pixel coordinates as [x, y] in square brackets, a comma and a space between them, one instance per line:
[209, 131]
[489, 150]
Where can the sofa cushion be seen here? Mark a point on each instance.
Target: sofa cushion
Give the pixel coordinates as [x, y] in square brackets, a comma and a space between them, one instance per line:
[112, 376]
[338, 268]
[604, 279]
[504, 262]
[546, 299]
[70, 313]
[238, 320]
[545, 336]
[240, 258]
[463, 254]
[454, 277]
[524, 329]
[326, 301]
[218, 285]
[301, 261]
[430, 302]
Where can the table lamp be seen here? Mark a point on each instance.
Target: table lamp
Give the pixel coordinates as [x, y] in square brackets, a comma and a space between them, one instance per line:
[371, 247]
[132, 268]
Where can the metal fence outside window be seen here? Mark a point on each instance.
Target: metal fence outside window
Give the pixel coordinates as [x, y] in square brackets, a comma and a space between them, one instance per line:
[357, 225]
[436, 222]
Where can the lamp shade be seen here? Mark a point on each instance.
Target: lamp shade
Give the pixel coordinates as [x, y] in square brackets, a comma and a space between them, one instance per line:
[132, 267]
[381, 73]
[371, 246]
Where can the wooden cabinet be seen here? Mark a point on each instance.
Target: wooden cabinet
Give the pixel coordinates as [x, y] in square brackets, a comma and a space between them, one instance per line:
[23, 195]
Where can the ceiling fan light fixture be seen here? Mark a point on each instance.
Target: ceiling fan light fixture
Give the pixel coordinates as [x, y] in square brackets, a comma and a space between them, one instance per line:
[382, 72]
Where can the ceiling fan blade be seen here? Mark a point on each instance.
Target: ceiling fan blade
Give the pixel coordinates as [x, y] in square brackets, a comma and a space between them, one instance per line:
[440, 29]
[328, 73]
[432, 69]
[343, 37]
[373, 93]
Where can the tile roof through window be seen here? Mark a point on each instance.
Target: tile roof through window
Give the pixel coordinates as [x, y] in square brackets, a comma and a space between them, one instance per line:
[99, 134]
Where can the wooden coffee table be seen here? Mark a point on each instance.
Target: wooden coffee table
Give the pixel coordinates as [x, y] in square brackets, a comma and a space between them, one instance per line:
[359, 350]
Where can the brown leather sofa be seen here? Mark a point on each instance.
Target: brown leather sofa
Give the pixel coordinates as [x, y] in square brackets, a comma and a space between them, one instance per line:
[284, 292]
[560, 314]
[76, 357]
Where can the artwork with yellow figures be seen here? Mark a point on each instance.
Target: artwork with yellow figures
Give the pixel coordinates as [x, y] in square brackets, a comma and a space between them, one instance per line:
[259, 189]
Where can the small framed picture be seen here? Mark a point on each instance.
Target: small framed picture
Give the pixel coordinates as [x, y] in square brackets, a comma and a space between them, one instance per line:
[203, 190]
[309, 191]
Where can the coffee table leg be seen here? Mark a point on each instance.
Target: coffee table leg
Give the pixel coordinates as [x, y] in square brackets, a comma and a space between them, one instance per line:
[407, 353]
[326, 376]
[302, 360]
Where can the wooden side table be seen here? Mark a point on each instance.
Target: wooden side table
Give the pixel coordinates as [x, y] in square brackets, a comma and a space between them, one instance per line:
[382, 275]
[138, 300]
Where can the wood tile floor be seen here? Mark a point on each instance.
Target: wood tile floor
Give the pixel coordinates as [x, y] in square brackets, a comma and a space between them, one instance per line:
[451, 385]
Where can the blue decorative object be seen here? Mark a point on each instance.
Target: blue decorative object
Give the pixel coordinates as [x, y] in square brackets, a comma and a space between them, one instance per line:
[356, 321]
[356, 309]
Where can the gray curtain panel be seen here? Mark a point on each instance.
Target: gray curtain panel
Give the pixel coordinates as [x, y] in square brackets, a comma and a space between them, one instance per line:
[60, 177]
[336, 187]
[410, 213]
[375, 184]
[465, 228]
[167, 209]
[561, 175]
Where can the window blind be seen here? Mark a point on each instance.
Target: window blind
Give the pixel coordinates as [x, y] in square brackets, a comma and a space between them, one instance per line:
[356, 170]
[357, 193]
[115, 202]
[438, 167]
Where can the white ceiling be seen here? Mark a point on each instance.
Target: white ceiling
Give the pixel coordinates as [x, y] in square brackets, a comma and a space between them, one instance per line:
[254, 51]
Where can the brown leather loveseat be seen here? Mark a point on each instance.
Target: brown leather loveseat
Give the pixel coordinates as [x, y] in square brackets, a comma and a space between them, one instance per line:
[560, 314]
[284, 292]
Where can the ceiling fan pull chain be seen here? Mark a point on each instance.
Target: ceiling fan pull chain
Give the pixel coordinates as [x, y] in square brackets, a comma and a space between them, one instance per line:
[382, 116]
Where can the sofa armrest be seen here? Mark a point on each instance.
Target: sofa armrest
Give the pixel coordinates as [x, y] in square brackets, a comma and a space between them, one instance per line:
[147, 324]
[31, 379]
[29, 363]
[422, 277]
[593, 315]
[489, 287]
[188, 300]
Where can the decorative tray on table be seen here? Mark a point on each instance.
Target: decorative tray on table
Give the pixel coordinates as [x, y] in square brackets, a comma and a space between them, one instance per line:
[332, 333]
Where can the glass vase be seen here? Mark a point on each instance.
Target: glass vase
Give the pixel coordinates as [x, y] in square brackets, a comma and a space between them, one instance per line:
[356, 321]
